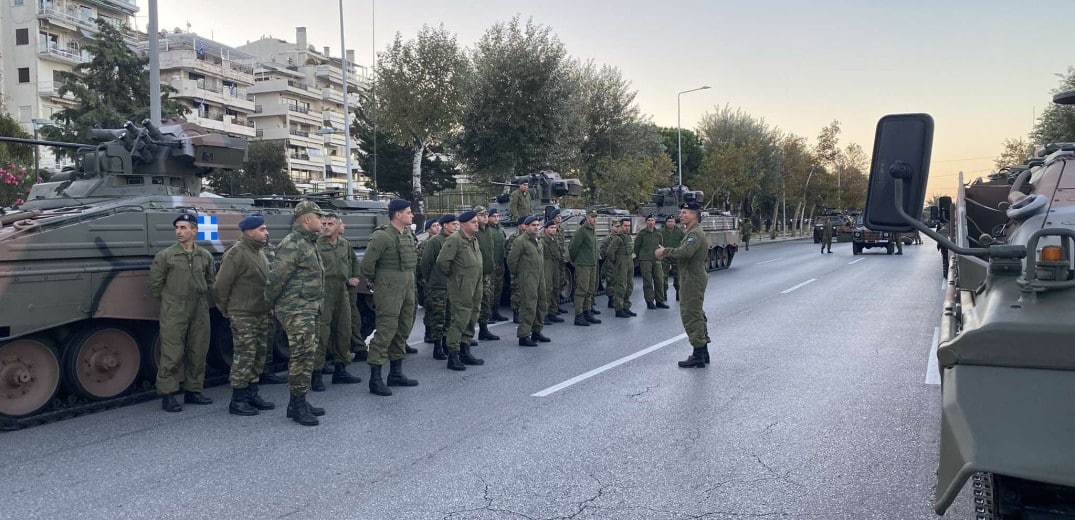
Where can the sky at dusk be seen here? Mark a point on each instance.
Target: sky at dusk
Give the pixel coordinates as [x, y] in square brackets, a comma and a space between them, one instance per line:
[983, 69]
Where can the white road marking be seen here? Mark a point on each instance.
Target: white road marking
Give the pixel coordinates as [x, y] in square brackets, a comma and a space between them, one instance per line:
[767, 261]
[810, 281]
[855, 261]
[582, 377]
[933, 374]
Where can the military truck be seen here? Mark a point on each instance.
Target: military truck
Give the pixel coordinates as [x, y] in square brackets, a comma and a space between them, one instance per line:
[78, 330]
[1006, 364]
[721, 228]
[866, 238]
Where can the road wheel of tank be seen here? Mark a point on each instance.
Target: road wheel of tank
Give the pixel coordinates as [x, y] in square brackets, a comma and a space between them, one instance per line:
[29, 376]
[101, 362]
[220, 342]
[890, 248]
[152, 356]
[280, 349]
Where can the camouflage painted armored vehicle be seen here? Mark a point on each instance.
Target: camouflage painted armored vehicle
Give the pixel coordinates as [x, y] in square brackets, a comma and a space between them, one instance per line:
[866, 238]
[78, 326]
[1005, 355]
[547, 188]
[721, 229]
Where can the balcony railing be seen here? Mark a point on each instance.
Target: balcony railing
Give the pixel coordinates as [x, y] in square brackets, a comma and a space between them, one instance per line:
[302, 156]
[65, 54]
[299, 109]
[299, 133]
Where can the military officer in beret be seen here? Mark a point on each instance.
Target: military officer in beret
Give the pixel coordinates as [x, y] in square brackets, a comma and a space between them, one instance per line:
[647, 241]
[550, 246]
[485, 243]
[438, 314]
[583, 251]
[389, 265]
[499, 257]
[295, 290]
[690, 256]
[527, 258]
[180, 277]
[461, 261]
[239, 292]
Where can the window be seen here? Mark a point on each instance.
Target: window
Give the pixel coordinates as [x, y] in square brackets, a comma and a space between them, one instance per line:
[24, 74]
[22, 36]
[85, 13]
[16, 3]
[25, 113]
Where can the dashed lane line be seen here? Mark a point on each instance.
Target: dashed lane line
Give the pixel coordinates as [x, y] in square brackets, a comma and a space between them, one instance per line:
[582, 377]
[767, 261]
[810, 281]
[855, 261]
[933, 373]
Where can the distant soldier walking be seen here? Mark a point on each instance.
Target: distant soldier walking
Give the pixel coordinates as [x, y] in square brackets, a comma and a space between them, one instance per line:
[239, 292]
[583, 250]
[461, 261]
[622, 269]
[341, 271]
[180, 277]
[521, 204]
[527, 258]
[295, 289]
[671, 236]
[691, 256]
[647, 241]
[485, 243]
[437, 311]
[389, 265]
[745, 230]
[826, 235]
[898, 238]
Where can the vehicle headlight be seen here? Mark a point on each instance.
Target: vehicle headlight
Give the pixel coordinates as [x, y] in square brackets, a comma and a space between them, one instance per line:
[884, 235]
[858, 234]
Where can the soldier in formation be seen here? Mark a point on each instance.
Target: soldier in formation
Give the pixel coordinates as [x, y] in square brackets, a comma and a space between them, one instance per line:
[437, 315]
[180, 277]
[561, 262]
[513, 283]
[826, 235]
[671, 236]
[485, 243]
[295, 291]
[620, 261]
[527, 258]
[604, 271]
[239, 293]
[341, 271]
[647, 241]
[745, 230]
[691, 255]
[432, 228]
[388, 266]
[521, 204]
[583, 251]
[358, 341]
[553, 256]
[499, 257]
[460, 259]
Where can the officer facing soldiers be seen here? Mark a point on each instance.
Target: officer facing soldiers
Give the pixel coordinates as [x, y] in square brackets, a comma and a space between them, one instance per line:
[239, 292]
[460, 259]
[341, 271]
[432, 228]
[671, 236]
[826, 235]
[583, 251]
[485, 243]
[436, 304]
[527, 258]
[745, 229]
[180, 277]
[389, 266]
[622, 269]
[295, 290]
[691, 256]
[499, 256]
[647, 241]
[553, 255]
[520, 204]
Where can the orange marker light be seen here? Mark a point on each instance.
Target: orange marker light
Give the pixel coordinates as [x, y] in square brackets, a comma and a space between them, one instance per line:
[1051, 254]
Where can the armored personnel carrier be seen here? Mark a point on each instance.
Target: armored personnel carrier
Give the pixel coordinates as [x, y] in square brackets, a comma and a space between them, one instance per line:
[78, 326]
[721, 229]
[1005, 354]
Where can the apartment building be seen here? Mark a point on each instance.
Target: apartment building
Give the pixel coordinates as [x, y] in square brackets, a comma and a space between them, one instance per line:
[40, 40]
[298, 98]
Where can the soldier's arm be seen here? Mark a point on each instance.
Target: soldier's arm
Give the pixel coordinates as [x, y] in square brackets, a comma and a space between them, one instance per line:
[446, 256]
[210, 271]
[429, 258]
[224, 281]
[513, 259]
[686, 249]
[374, 251]
[283, 267]
[158, 273]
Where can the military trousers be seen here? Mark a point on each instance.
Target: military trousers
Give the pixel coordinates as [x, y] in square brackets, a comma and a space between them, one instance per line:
[394, 296]
[184, 337]
[438, 314]
[465, 299]
[652, 280]
[251, 339]
[301, 328]
[623, 284]
[513, 286]
[497, 289]
[487, 299]
[532, 305]
[826, 243]
[358, 341]
[334, 327]
[552, 288]
[585, 287]
[671, 271]
[692, 315]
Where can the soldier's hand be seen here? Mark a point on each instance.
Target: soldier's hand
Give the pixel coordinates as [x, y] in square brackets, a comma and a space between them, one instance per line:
[659, 252]
[353, 282]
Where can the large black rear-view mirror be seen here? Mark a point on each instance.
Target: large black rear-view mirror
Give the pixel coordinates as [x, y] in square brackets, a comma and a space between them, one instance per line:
[901, 149]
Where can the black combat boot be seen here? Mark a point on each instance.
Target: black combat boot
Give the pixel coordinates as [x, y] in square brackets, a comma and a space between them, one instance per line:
[515, 316]
[473, 342]
[560, 310]
[485, 335]
[438, 350]
[622, 313]
[527, 341]
[631, 313]
[342, 377]
[255, 400]
[314, 410]
[270, 378]
[554, 318]
[196, 398]
[297, 411]
[466, 358]
[594, 312]
[169, 403]
[396, 377]
[377, 385]
[590, 318]
[705, 353]
[454, 363]
[239, 404]
[317, 383]
[581, 321]
[650, 305]
[538, 336]
[409, 349]
[610, 304]
[662, 305]
[427, 338]
[496, 316]
[696, 359]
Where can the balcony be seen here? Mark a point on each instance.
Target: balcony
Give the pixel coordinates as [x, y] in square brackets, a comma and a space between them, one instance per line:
[225, 124]
[72, 18]
[212, 91]
[298, 133]
[333, 95]
[177, 54]
[51, 89]
[56, 53]
[128, 7]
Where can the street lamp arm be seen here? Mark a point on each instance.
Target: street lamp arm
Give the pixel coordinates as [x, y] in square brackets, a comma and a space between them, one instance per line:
[679, 131]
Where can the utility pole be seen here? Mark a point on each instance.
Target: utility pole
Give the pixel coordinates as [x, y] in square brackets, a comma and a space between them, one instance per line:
[154, 66]
[346, 110]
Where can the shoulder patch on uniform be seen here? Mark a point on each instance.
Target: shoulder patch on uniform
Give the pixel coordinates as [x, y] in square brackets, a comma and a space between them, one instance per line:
[690, 240]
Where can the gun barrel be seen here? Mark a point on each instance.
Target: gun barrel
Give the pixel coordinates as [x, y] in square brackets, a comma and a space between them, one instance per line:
[56, 144]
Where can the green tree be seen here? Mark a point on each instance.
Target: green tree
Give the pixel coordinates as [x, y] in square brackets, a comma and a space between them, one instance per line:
[629, 182]
[420, 94]
[1057, 122]
[264, 173]
[1016, 151]
[743, 159]
[523, 113]
[111, 89]
[21, 154]
[693, 155]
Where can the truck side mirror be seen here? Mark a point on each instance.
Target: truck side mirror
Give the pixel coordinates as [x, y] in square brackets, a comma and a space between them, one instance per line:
[901, 149]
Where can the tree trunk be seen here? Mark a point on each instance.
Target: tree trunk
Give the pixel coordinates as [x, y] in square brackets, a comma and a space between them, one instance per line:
[417, 205]
[775, 222]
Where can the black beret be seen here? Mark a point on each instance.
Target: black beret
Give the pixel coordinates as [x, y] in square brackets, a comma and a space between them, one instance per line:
[398, 205]
[467, 216]
[493, 212]
[251, 222]
[651, 216]
[529, 220]
[549, 223]
[447, 219]
[429, 223]
[186, 217]
[671, 217]
[692, 206]
[520, 221]
[554, 213]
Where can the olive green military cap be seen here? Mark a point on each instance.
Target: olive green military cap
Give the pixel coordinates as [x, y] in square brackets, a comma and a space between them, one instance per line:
[479, 210]
[307, 206]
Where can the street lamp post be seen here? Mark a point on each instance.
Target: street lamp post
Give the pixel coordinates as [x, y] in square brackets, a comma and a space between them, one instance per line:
[679, 131]
[37, 148]
[346, 110]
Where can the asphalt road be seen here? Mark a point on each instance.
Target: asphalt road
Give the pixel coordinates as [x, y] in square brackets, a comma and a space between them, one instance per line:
[816, 406]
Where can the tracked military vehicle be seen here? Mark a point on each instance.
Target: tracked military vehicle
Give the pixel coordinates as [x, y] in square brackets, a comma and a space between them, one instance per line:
[721, 229]
[78, 326]
[1005, 354]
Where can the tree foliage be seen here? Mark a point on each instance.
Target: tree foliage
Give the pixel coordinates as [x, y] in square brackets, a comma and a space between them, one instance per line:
[1057, 122]
[629, 182]
[20, 154]
[1016, 151]
[693, 155]
[264, 173]
[743, 157]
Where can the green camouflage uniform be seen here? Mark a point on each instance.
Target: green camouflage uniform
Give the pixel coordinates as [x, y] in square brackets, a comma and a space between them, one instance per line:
[520, 205]
[552, 260]
[334, 335]
[438, 315]
[691, 256]
[621, 270]
[180, 280]
[389, 264]
[499, 257]
[239, 292]
[745, 230]
[583, 250]
[671, 238]
[527, 259]
[296, 290]
[461, 261]
[652, 274]
[826, 236]
[485, 243]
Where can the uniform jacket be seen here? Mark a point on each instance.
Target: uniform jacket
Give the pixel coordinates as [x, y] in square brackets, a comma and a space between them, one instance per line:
[389, 251]
[527, 259]
[672, 238]
[176, 275]
[584, 246]
[296, 282]
[428, 264]
[520, 204]
[240, 284]
[460, 257]
[339, 260]
[691, 254]
[619, 253]
[485, 243]
[646, 243]
[499, 253]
